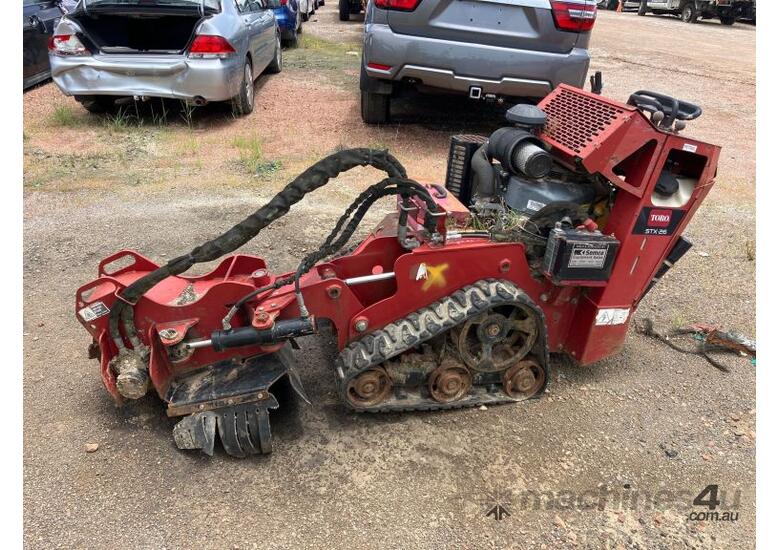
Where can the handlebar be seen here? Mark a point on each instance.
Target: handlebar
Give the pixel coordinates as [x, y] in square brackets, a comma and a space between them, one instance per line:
[672, 108]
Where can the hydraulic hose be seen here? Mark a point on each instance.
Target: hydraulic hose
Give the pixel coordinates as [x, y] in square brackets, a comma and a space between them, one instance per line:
[311, 179]
[338, 237]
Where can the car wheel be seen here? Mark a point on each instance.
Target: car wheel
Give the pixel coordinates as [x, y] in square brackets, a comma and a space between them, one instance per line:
[343, 10]
[374, 108]
[689, 14]
[291, 41]
[728, 20]
[276, 65]
[244, 102]
[642, 10]
[304, 14]
[97, 104]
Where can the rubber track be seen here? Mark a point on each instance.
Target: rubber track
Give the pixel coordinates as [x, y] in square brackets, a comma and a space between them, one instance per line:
[414, 329]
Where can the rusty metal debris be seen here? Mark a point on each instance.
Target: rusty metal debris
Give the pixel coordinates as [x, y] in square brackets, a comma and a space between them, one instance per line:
[708, 339]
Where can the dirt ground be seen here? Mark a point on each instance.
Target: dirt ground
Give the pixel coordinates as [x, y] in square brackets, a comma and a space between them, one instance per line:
[615, 452]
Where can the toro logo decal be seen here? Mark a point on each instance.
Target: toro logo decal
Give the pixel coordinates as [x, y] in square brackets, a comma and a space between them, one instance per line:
[658, 221]
[659, 218]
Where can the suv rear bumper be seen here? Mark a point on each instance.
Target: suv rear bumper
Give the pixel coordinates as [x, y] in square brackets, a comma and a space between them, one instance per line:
[457, 66]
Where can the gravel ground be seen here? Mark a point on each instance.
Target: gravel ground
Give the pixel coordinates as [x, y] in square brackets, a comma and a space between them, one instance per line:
[649, 424]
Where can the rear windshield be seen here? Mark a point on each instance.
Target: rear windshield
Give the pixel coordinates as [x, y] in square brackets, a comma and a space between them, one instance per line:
[212, 5]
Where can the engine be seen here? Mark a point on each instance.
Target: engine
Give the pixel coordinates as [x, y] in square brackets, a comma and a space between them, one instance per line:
[518, 191]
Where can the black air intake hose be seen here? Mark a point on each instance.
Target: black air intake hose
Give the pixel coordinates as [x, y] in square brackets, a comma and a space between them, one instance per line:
[483, 173]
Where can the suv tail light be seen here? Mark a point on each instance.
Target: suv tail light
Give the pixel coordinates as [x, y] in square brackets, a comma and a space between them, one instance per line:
[398, 5]
[66, 44]
[208, 46]
[574, 15]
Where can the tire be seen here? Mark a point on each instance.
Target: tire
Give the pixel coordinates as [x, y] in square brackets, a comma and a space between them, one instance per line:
[244, 102]
[96, 104]
[642, 8]
[612, 5]
[688, 13]
[304, 14]
[728, 21]
[374, 108]
[343, 10]
[275, 66]
[291, 41]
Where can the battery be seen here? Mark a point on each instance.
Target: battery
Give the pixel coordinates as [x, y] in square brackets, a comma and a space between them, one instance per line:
[576, 256]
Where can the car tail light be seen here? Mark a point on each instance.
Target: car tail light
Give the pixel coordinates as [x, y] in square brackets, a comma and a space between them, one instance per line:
[399, 5]
[209, 46]
[575, 16]
[66, 44]
[282, 2]
[379, 66]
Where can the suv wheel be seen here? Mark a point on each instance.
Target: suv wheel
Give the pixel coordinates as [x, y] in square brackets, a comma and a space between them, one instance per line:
[244, 102]
[642, 8]
[728, 20]
[343, 10]
[689, 13]
[97, 104]
[374, 108]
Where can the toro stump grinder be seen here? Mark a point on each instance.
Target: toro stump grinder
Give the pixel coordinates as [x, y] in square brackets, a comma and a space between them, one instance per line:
[544, 239]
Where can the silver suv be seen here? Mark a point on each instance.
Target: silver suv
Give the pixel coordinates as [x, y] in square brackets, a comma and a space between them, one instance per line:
[518, 49]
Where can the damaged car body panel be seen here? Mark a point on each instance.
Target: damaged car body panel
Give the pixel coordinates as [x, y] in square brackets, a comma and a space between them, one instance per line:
[182, 49]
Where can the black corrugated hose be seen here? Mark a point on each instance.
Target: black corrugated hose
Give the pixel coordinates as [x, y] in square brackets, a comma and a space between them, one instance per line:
[311, 179]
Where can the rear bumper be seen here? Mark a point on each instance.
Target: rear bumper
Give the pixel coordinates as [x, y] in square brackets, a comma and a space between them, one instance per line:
[176, 77]
[286, 21]
[457, 66]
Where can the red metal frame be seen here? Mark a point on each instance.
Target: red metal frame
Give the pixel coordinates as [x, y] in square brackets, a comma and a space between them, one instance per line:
[620, 144]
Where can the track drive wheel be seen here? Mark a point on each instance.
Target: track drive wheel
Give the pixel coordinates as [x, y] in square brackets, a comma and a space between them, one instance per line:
[498, 338]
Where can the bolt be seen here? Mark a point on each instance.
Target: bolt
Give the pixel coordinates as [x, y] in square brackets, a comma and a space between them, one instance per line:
[505, 265]
[544, 297]
[361, 325]
[169, 333]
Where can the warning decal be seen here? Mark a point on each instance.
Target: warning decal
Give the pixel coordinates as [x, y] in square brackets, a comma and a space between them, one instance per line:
[94, 311]
[612, 316]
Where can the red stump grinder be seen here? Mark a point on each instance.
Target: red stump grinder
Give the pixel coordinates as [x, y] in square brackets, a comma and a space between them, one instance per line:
[544, 239]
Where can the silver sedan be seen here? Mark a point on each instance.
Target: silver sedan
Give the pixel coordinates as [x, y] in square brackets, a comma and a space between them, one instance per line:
[197, 51]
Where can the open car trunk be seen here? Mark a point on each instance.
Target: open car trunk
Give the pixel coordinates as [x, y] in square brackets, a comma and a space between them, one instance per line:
[147, 28]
